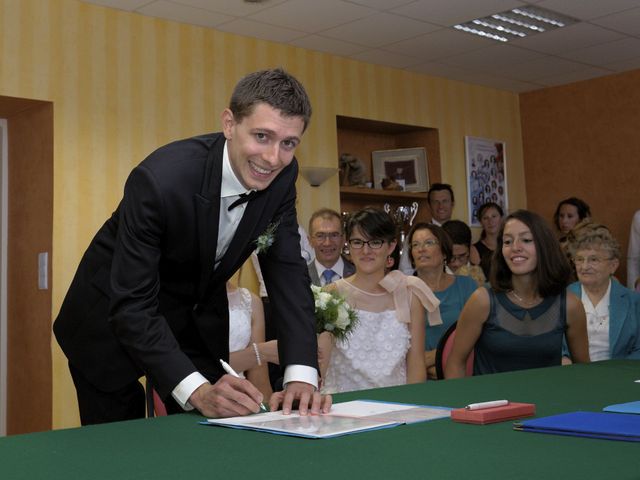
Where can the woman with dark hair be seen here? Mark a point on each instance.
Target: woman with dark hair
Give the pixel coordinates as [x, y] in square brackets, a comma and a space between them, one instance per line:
[464, 257]
[490, 215]
[569, 213]
[520, 320]
[387, 344]
[430, 251]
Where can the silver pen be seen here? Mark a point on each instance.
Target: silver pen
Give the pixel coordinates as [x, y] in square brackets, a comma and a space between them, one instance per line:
[233, 373]
[492, 404]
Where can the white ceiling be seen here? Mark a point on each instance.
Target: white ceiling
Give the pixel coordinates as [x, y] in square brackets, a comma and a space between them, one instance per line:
[416, 35]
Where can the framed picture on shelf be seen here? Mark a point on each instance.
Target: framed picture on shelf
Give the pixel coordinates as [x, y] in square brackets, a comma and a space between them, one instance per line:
[411, 163]
[486, 175]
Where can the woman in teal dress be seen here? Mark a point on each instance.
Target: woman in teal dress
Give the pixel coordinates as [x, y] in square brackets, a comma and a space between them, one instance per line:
[430, 250]
[520, 320]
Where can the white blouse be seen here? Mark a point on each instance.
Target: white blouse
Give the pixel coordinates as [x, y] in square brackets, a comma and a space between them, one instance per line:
[598, 325]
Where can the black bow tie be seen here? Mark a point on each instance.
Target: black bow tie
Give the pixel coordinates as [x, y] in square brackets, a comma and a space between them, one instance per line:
[244, 197]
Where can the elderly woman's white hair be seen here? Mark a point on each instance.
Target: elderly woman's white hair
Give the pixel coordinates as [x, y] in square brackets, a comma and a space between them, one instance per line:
[594, 235]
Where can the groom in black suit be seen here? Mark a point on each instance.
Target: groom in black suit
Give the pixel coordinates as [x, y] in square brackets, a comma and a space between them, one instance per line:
[149, 296]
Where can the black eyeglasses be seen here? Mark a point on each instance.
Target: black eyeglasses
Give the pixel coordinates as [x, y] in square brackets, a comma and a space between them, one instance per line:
[460, 258]
[322, 236]
[358, 243]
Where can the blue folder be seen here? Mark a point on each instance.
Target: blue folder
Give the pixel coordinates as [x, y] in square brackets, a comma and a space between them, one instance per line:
[608, 426]
[629, 407]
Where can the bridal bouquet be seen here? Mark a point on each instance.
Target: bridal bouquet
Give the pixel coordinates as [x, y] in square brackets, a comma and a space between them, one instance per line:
[333, 313]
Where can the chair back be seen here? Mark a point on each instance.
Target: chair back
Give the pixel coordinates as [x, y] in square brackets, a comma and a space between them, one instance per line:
[444, 349]
[158, 405]
[155, 405]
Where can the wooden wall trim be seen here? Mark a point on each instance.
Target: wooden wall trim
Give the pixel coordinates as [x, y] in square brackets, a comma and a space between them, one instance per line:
[30, 230]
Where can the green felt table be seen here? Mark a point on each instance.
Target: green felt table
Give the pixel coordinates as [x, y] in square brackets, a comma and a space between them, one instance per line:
[177, 447]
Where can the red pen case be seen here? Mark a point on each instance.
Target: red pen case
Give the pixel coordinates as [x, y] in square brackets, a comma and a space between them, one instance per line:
[483, 416]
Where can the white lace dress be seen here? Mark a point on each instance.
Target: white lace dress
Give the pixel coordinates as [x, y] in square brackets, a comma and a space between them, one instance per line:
[239, 319]
[374, 355]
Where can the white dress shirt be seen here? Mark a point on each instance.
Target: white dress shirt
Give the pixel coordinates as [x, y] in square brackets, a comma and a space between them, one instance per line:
[338, 269]
[230, 190]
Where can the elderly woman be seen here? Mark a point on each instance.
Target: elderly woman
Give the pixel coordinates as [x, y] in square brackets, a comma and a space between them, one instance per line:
[613, 311]
[430, 251]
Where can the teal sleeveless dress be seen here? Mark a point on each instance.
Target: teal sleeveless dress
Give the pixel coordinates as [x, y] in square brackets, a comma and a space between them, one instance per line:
[518, 338]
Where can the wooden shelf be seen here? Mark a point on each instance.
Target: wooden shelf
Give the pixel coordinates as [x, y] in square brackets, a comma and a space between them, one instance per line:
[360, 137]
[373, 194]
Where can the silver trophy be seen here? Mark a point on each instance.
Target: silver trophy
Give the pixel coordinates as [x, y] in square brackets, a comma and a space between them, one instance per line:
[414, 212]
[403, 215]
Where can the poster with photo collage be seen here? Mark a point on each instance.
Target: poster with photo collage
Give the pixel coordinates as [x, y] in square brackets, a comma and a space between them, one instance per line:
[486, 175]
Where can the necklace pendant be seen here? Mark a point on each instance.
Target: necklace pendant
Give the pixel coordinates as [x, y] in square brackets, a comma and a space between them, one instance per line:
[522, 300]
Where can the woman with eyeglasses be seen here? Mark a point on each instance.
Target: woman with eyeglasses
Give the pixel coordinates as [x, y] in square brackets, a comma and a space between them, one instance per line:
[386, 347]
[430, 251]
[613, 311]
[520, 320]
[464, 257]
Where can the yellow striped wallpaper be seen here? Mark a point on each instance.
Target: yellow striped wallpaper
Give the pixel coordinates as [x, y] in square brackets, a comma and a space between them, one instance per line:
[123, 84]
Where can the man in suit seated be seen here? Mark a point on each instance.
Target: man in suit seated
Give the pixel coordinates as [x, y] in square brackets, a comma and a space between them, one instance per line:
[441, 202]
[326, 234]
[149, 297]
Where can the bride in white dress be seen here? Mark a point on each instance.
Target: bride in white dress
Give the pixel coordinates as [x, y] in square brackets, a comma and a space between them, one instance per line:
[249, 353]
[386, 347]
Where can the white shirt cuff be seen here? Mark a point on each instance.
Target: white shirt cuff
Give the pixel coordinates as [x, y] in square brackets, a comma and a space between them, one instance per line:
[186, 387]
[300, 373]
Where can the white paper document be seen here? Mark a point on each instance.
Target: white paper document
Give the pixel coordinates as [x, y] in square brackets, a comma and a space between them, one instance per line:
[344, 418]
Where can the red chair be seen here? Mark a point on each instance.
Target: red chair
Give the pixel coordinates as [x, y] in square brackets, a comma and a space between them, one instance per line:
[158, 405]
[444, 349]
[155, 405]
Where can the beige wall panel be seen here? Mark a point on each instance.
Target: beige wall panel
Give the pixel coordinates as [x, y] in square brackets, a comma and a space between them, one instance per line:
[123, 84]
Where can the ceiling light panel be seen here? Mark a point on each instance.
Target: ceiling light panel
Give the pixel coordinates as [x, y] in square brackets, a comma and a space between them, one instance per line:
[517, 23]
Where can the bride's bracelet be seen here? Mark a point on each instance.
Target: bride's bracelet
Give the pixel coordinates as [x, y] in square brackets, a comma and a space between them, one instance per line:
[258, 359]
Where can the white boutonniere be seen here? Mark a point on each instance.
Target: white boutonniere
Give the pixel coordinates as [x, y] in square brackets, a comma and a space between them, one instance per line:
[266, 239]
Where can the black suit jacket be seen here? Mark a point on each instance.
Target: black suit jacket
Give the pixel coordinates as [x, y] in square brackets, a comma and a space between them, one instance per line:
[146, 298]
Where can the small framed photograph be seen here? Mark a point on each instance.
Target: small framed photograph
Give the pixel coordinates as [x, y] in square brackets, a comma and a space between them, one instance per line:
[486, 175]
[411, 163]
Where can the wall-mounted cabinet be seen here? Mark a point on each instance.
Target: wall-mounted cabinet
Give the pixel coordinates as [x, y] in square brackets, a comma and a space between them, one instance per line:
[360, 137]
